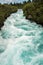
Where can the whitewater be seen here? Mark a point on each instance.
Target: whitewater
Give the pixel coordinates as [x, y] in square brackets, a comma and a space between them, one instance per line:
[21, 41]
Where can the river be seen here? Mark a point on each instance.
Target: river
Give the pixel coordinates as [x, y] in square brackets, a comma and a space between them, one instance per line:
[21, 41]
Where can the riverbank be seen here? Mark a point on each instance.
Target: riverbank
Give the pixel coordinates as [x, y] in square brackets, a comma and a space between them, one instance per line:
[5, 11]
[34, 12]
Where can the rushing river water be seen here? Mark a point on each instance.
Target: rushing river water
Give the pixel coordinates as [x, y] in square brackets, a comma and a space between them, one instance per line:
[21, 42]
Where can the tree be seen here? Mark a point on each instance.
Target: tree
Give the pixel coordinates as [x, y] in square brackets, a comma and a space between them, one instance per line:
[24, 2]
[14, 3]
[37, 0]
[11, 3]
[0, 3]
[29, 0]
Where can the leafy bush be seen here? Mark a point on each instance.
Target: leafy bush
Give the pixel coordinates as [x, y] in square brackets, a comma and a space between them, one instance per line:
[35, 10]
[5, 11]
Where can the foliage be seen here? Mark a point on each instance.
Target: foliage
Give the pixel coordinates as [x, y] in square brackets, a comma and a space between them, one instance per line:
[5, 11]
[35, 10]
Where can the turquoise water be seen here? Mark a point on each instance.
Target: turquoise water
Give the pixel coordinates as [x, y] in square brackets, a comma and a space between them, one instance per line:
[21, 42]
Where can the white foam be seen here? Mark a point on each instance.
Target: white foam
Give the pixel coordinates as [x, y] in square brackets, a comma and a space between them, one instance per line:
[19, 41]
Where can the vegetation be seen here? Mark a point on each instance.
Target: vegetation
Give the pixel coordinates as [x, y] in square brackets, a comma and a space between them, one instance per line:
[32, 10]
[35, 9]
[5, 11]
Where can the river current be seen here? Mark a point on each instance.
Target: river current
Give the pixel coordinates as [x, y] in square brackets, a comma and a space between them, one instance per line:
[21, 41]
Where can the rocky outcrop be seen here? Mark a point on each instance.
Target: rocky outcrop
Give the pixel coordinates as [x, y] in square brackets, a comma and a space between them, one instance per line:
[29, 17]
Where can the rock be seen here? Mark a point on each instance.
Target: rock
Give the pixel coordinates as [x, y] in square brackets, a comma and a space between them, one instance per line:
[29, 17]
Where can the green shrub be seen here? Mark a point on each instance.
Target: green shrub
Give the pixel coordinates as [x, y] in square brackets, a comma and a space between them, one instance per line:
[5, 11]
[35, 10]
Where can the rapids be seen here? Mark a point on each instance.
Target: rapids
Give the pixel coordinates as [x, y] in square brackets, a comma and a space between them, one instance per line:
[21, 41]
